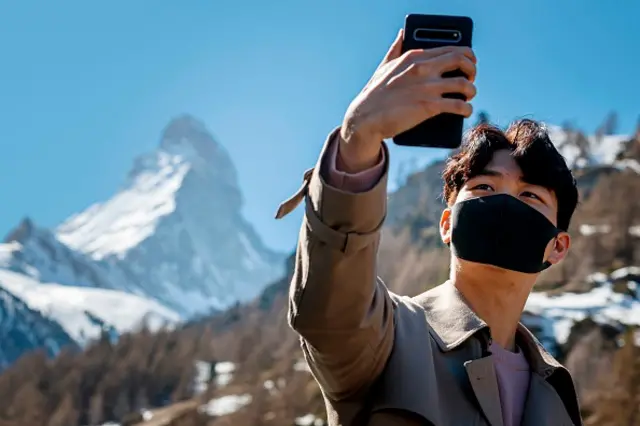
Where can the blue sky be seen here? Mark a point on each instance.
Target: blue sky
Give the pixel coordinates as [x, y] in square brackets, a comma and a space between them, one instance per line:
[85, 86]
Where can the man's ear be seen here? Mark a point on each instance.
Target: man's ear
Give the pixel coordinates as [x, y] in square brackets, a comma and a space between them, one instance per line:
[445, 226]
[560, 248]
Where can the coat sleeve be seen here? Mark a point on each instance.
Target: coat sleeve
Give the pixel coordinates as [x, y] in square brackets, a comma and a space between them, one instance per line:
[341, 310]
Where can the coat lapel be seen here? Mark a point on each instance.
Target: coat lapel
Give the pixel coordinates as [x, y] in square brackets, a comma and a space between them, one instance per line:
[482, 377]
[543, 405]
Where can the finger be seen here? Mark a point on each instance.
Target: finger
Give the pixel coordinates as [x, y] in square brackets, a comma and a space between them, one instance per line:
[457, 85]
[426, 54]
[455, 106]
[419, 72]
[395, 51]
[456, 61]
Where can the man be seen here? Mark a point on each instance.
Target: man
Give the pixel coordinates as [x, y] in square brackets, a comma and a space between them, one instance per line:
[454, 355]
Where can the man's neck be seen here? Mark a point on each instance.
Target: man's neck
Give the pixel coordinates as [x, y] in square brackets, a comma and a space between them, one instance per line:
[496, 295]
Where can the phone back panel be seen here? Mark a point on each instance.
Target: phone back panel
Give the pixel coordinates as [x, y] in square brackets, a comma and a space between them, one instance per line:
[427, 32]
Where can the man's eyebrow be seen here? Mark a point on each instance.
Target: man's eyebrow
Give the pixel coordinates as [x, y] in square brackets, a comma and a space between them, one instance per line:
[487, 172]
[496, 173]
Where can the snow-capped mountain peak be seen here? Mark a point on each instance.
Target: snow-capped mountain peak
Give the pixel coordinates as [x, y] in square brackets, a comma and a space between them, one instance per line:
[176, 226]
[114, 227]
[153, 186]
[188, 137]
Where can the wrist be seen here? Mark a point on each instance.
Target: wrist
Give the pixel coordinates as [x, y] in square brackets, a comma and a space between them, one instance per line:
[357, 151]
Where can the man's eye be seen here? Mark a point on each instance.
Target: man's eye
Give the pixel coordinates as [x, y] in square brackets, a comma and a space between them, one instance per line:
[529, 194]
[483, 187]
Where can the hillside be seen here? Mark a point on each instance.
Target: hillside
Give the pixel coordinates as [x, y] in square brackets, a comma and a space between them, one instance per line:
[243, 366]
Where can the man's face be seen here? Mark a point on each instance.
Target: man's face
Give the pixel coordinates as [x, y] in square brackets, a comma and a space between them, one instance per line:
[503, 176]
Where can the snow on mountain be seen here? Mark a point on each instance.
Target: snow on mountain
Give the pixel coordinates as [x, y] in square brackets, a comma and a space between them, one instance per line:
[614, 299]
[37, 253]
[581, 150]
[72, 289]
[85, 312]
[175, 229]
[23, 329]
[132, 215]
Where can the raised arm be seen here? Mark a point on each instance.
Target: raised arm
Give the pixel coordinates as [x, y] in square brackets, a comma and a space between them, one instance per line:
[340, 309]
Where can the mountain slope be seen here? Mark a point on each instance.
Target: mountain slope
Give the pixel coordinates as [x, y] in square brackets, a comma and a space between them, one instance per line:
[84, 313]
[176, 228]
[24, 330]
[36, 252]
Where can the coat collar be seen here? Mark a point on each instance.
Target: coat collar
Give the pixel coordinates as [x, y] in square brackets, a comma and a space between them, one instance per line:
[453, 322]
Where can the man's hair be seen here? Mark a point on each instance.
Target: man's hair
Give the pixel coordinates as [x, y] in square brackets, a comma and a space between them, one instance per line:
[532, 149]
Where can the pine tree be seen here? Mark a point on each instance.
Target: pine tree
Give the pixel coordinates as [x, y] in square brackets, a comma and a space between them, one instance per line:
[482, 118]
[609, 125]
[619, 402]
[121, 407]
[96, 409]
[29, 405]
[66, 414]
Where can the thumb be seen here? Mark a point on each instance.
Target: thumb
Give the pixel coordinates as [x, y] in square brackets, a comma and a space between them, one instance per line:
[395, 50]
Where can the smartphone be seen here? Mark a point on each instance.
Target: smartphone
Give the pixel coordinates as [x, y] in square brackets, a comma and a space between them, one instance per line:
[426, 32]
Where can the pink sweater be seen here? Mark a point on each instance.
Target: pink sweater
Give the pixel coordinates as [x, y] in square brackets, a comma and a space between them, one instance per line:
[512, 369]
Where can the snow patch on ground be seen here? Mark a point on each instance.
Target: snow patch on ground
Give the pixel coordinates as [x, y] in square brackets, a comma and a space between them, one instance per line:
[301, 365]
[588, 230]
[203, 377]
[225, 405]
[220, 372]
[224, 373]
[309, 420]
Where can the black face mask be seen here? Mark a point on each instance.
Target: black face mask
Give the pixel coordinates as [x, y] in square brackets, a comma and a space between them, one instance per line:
[503, 231]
